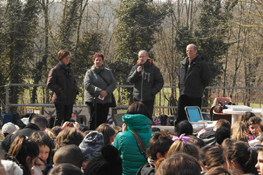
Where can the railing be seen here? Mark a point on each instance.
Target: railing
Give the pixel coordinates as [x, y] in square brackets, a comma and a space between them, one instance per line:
[7, 105]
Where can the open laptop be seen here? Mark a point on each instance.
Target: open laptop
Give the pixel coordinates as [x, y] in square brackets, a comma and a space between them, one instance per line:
[193, 113]
[195, 117]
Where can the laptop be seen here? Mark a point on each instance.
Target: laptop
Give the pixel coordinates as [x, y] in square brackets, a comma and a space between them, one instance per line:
[193, 113]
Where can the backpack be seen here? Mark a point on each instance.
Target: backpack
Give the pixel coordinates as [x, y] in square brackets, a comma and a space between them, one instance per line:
[7, 117]
[13, 118]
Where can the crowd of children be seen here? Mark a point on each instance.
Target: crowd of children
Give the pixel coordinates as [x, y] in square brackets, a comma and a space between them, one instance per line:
[71, 149]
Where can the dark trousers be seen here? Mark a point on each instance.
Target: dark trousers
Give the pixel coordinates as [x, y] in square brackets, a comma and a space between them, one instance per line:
[64, 113]
[148, 104]
[101, 114]
[186, 101]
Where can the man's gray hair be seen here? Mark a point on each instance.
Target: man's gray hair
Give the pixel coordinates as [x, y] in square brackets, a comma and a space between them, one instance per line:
[144, 51]
[195, 48]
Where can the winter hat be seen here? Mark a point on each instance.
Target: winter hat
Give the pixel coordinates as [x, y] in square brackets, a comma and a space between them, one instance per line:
[9, 128]
[108, 163]
[91, 145]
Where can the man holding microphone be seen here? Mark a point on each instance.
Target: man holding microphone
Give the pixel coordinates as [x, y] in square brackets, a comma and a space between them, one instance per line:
[147, 80]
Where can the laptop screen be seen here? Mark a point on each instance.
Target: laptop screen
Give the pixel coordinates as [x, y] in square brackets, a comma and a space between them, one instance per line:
[193, 113]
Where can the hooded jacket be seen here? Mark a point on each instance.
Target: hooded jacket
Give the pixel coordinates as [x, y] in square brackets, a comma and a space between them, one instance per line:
[151, 83]
[125, 142]
[193, 79]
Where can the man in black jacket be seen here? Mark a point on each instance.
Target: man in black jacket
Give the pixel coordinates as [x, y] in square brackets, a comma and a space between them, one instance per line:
[193, 78]
[147, 80]
[37, 123]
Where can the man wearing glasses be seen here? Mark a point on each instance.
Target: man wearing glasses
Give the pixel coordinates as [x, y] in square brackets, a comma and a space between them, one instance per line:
[147, 80]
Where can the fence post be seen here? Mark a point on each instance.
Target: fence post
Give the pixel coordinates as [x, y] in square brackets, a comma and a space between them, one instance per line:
[6, 98]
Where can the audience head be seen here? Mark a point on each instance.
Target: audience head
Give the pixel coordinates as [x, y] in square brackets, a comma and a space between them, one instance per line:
[253, 125]
[245, 117]
[159, 145]
[154, 129]
[24, 151]
[217, 171]
[45, 145]
[214, 157]
[68, 136]
[108, 133]
[184, 127]
[139, 108]
[239, 131]
[40, 121]
[227, 143]
[65, 169]
[259, 165]
[197, 141]
[202, 153]
[182, 144]
[109, 162]
[68, 154]
[117, 129]
[222, 122]
[56, 130]
[240, 156]
[179, 164]
[50, 133]
[221, 134]
[91, 146]
[8, 129]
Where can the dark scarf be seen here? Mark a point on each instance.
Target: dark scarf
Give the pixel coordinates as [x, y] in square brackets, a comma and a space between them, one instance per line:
[66, 68]
[97, 69]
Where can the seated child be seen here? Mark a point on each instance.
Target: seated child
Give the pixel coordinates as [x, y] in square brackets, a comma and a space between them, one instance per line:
[45, 145]
[91, 146]
[254, 126]
[158, 148]
[179, 163]
[8, 129]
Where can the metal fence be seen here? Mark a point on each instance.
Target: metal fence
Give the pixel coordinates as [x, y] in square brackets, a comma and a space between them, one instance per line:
[7, 104]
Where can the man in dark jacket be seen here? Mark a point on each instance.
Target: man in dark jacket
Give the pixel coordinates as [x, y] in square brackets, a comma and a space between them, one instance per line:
[37, 123]
[147, 80]
[193, 78]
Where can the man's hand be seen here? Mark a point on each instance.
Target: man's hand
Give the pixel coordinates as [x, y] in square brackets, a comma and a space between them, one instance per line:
[103, 94]
[139, 68]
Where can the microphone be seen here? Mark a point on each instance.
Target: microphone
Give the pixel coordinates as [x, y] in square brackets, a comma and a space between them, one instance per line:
[140, 63]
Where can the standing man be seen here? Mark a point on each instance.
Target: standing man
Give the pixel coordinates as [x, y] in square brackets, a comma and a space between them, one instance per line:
[193, 78]
[147, 80]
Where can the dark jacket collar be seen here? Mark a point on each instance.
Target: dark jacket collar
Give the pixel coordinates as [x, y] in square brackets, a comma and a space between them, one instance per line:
[194, 61]
[32, 126]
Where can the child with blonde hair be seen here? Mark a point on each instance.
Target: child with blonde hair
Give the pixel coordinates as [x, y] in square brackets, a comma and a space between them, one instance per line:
[239, 131]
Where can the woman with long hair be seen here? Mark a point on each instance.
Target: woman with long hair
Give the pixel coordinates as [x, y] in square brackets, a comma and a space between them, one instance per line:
[239, 131]
[24, 152]
[239, 156]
